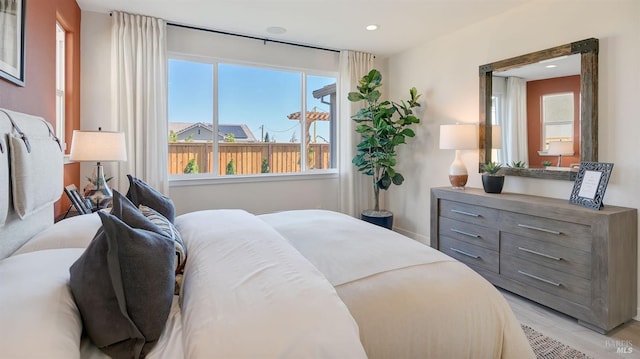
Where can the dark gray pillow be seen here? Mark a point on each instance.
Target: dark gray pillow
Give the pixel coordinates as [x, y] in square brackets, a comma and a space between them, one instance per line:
[125, 210]
[141, 193]
[123, 286]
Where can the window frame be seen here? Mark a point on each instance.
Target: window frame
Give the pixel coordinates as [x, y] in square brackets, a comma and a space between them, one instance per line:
[213, 177]
[61, 78]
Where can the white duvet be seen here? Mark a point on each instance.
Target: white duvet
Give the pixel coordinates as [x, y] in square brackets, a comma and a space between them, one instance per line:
[285, 285]
[247, 293]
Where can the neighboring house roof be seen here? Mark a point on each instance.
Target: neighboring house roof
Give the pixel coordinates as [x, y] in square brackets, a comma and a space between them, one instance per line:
[324, 91]
[240, 132]
[190, 126]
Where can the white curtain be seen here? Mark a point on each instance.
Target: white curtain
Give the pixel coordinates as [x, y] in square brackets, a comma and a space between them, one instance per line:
[139, 96]
[515, 125]
[356, 192]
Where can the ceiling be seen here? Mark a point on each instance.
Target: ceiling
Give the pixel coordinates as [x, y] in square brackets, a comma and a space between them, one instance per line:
[334, 24]
[546, 69]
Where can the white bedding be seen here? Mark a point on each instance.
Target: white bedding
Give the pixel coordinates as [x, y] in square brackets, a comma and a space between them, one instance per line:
[297, 284]
[248, 293]
[38, 316]
[409, 300]
[344, 248]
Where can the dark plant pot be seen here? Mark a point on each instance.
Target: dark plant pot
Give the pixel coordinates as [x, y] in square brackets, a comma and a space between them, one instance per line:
[492, 184]
[380, 218]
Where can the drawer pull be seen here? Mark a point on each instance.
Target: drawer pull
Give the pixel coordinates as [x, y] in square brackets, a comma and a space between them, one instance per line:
[539, 254]
[465, 213]
[465, 233]
[539, 229]
[464, 253]
[540, 279]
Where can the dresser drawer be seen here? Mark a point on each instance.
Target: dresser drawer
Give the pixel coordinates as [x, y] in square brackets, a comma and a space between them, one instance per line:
[473, 256]
[469, 213]
[567, 234]
[564, 285]
[547, 253]
[469, 232]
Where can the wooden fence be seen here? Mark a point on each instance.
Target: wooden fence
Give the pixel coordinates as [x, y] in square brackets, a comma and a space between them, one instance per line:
[247, 157]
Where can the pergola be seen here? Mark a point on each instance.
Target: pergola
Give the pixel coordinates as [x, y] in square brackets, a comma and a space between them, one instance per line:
[312, 116]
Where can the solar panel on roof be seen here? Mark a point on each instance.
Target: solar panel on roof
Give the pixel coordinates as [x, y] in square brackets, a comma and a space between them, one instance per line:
[235, 130]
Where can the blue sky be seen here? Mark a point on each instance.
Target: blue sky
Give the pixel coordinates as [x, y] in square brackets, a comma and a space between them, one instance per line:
[252, 96]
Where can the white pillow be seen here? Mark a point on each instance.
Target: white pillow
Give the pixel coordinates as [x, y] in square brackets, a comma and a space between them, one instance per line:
[74, 232]
[38, 311]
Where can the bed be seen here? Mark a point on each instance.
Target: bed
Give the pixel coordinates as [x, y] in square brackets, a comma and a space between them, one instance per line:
[292, 284]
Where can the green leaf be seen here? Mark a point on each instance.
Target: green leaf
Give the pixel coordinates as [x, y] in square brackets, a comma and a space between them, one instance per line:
[391, 172]
[384, 182]
[355, 97]
[364, 128]
[397, 179]
[398, 139]
[373, 96]
[408, 132]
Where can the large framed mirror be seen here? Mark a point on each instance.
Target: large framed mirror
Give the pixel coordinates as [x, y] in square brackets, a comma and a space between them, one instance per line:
[541, 109]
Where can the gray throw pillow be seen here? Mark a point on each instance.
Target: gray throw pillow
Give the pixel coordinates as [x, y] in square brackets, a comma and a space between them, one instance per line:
[141, 193]
[170, 231]
[123, 286]
[125, 210]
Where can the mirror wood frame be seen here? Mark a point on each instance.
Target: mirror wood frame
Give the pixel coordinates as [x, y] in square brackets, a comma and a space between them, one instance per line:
[588, 50]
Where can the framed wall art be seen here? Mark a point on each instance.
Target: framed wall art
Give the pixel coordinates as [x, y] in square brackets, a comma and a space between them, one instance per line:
[12, 40]
[591, 183]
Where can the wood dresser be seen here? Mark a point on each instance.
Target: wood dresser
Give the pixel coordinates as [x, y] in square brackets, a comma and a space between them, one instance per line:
[573, 259]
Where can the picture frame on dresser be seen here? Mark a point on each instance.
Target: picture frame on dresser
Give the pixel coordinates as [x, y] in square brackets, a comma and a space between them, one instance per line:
[12, 58]
[590, 185]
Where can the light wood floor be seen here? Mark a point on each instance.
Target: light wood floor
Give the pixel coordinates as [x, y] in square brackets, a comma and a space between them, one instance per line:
[567, 330]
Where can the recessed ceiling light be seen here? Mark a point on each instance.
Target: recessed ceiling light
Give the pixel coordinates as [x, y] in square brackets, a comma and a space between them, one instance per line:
[551, 66]
[276, 30]
[372, 27]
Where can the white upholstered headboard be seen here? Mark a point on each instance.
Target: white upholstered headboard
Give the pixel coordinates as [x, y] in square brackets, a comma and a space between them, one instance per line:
[31, 178]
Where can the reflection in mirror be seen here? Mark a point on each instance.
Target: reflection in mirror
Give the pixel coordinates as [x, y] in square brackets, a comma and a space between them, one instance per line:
[546, 105]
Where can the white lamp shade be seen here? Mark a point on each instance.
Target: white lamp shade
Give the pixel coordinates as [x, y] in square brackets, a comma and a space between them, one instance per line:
[496, 136]
[458, 137]
[564, 148]
[98, 146]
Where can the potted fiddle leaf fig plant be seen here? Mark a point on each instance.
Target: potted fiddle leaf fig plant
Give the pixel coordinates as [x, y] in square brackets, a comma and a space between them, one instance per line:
[492, 180]
[383, 126]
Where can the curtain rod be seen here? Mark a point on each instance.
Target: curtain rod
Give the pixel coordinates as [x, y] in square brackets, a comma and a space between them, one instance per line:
[265, 40]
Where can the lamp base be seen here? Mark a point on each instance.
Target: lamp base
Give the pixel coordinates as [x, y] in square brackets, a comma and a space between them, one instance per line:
[98, 192]
[458, 181]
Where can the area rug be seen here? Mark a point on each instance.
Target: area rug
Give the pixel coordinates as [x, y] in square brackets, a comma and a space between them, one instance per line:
[547, 348]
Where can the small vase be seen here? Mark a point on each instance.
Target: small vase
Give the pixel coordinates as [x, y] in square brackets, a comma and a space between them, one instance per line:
[492, 184]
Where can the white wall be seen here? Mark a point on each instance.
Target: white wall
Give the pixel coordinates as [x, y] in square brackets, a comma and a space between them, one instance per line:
[446, 72]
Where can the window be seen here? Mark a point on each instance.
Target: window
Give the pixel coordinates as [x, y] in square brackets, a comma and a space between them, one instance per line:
[229, 119]
[497, 119]
[557, 118]
[60, 80]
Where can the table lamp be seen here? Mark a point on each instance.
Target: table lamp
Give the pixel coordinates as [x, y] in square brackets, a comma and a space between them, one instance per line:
[98, 146]
[560, 148]
[458, 137]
